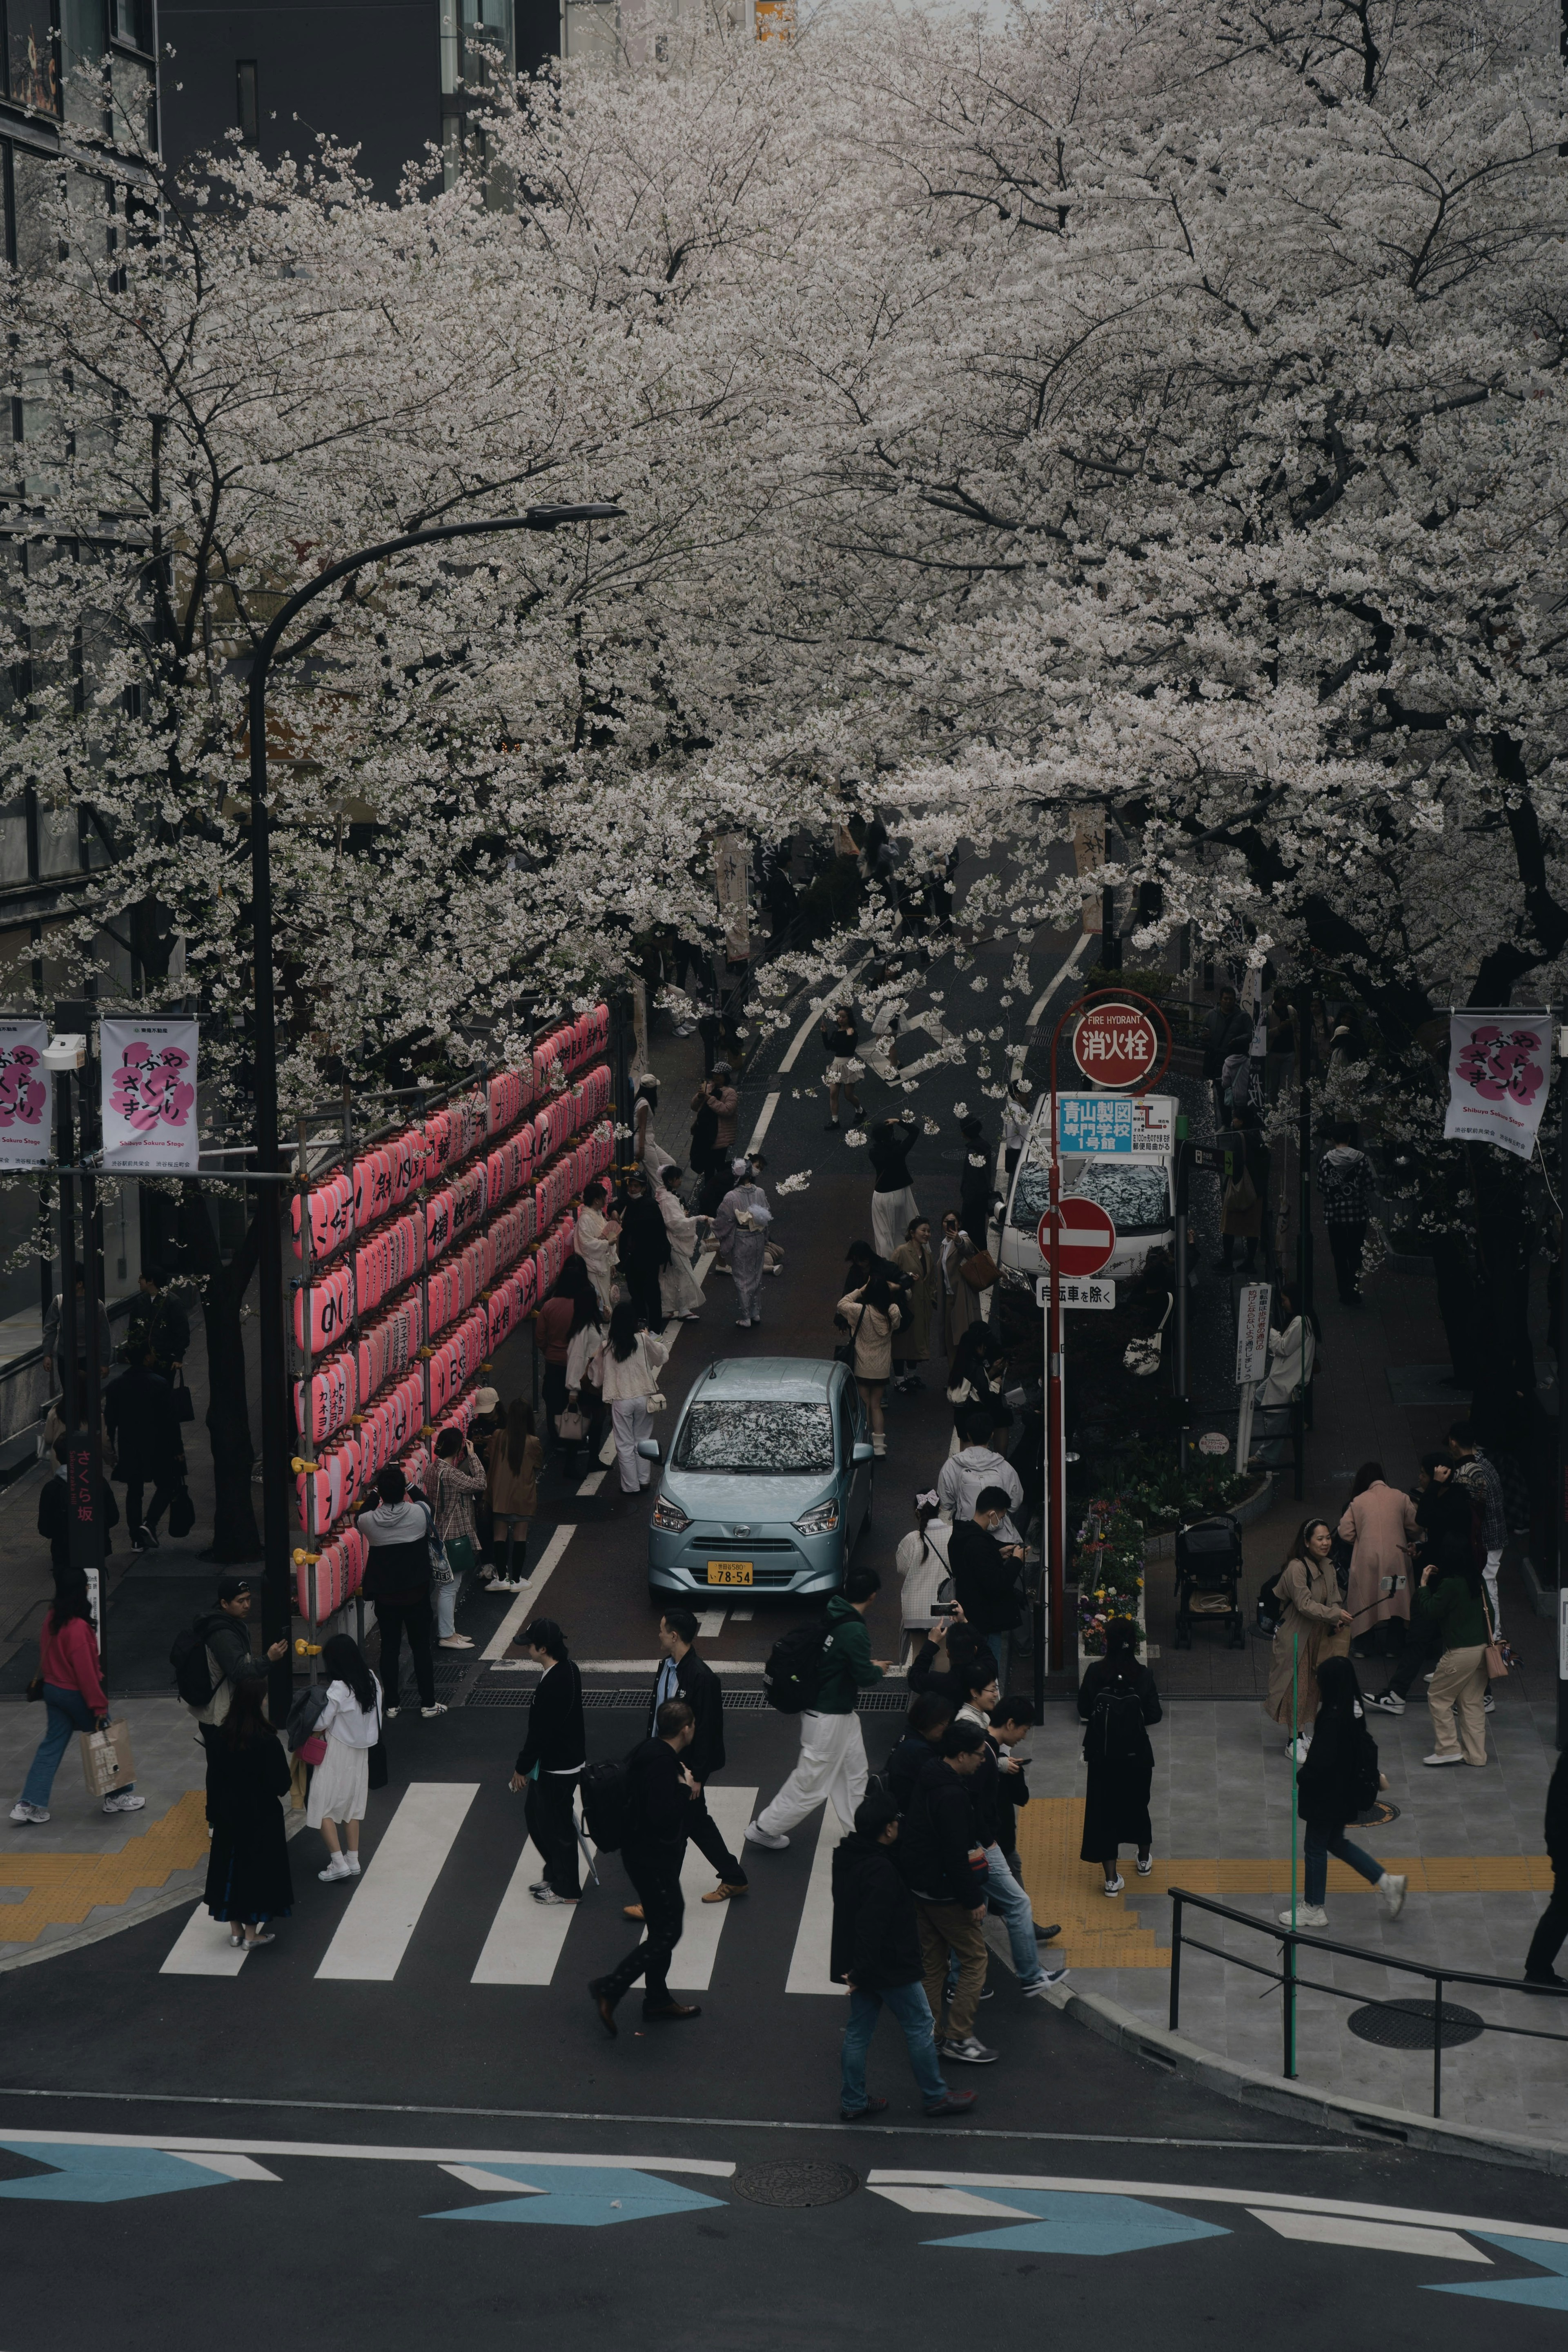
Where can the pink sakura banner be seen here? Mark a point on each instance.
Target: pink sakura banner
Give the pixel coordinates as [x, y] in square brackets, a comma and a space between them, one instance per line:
[149, 1095]
[1499, 1070]
[27, 1094]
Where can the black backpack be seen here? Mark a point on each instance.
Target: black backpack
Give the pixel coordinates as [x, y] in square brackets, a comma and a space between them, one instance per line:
[188, 1657]
[1116, 1729]
[607, 1803]
[793, 1674]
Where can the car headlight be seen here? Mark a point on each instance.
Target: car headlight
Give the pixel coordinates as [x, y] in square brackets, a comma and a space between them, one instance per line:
[669, 1516]
[820, 1522]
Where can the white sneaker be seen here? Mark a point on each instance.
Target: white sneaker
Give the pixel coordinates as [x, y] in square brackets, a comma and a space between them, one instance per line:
[123, 1802]
[1297, 1748]
[1389, 1701]
[969, 2051]
[754, 1836]
[1310, 1914]
[21, 1812]
[1114, 1886]
[438, 1708]
[1488, 1704]
[454, 1642]
[1042, 1984]
[389, 1713]
[351, 1865]
[1391, 1890]
[1145, 1865]
[336, 1868]
[1439, 1758]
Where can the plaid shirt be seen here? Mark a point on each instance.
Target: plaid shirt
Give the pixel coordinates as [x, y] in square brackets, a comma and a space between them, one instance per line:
[1480, 1476]
[1344, 1180]
[453, 1501]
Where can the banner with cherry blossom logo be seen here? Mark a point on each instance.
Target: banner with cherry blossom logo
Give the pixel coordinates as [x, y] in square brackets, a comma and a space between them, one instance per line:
[1500, 1071]
[149, 1070]
[27, 1094]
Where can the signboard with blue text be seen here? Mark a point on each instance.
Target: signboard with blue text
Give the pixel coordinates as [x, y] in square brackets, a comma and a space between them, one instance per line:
[1121, 1126]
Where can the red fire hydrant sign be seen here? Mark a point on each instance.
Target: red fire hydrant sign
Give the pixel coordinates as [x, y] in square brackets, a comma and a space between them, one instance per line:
[1117, 1044]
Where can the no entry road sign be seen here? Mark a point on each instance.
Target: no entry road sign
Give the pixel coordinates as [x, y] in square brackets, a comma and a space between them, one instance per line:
[1087, 1237]
[1117, 1044]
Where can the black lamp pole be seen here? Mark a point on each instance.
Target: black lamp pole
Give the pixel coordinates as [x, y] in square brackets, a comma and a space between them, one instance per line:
[276, 1611]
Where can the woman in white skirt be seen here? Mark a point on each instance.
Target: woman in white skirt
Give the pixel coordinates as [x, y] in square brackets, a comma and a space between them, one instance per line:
[350, 1723]
[629, 1375]
[679, 1289]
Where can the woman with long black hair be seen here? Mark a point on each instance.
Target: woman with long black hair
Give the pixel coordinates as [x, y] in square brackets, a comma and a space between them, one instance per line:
[248, 1881]
[1117, 1701]
[644, 1246]
[1337, 1783]
[74, 1697]
[351, 1724]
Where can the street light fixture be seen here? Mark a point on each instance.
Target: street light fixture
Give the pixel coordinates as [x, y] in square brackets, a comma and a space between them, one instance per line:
[273, 1370]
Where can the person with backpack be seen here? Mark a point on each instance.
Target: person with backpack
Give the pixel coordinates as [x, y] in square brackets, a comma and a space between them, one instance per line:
[921, 1739]
[249, 1882]
[1117, 1701]
[682, 1674]
[213, 1656]
[944, 1866]
[832, 1751]
[659, 1788]
[71, 1684]
[1338, 1782]
[552, 1761]
[139, 1413]
[986, 1571]
[875, 1951]
[397, 1578]
[349, 1724]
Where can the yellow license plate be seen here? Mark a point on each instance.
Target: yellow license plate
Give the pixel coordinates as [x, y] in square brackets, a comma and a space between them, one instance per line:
[728, 1572]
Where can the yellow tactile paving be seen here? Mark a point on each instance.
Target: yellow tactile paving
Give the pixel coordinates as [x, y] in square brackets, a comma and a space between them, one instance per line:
[1098, 1934]
[63, 1888]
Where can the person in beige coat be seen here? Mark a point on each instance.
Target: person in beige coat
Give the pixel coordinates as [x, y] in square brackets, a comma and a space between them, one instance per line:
[871, 1314]
[1380, 1522]
[1314, 1625]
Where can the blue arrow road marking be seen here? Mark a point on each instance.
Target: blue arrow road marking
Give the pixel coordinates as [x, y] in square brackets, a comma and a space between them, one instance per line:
[1073, 2224]
[581, 2196]
[1542, 2294]
[102, 2175]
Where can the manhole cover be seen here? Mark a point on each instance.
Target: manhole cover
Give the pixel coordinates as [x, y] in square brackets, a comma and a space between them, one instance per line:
[795, 2186]
[1408, 2024]
[1378, 1816]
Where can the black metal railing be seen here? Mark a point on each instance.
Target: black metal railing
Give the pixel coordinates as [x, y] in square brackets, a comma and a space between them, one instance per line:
[1291, 1979]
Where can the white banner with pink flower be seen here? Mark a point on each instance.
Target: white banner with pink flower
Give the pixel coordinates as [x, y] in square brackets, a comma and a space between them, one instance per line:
[150, 1096]
[27, 1094]
[1500, 1069]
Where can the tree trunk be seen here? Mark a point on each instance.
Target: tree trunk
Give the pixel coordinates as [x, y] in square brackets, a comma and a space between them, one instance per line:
[236, 1536]
[1457, 1302]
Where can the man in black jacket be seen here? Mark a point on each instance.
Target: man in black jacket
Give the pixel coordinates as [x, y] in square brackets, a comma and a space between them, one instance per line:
[943, 1864]
[1552, 1925]
[683, 1674]
[144, 1429]
[986, 1575]
[659, 1791]
[929, 1716]
[552, 1761]
[875, 1951]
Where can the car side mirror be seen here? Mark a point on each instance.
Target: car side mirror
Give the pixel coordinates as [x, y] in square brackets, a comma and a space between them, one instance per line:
[648, 1448]
[862, 1452]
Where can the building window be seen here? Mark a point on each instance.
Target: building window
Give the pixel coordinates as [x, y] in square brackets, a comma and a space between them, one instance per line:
[247, 107]
[131, 22]
[35, 67]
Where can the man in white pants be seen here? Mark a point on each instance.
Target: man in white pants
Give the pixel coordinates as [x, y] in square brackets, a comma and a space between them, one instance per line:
[832, 1752]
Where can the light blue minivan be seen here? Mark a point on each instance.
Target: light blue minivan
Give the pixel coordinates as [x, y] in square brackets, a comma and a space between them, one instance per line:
[767, 1481]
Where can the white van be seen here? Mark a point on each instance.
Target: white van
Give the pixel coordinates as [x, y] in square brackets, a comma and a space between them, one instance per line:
[1118, 1149]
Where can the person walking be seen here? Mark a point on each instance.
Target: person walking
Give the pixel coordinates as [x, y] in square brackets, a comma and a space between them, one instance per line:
[1451, 1598]
[249, 1881]
[516, 1459]
[1225, 1035]
[916, 1262]
[1378, 1523]
[893, 1203]
[679, 1292]
[594, 1241]
[682, 1675]
[157, 1323]
[145, 1430]
[1337, 1783]
[976, 1186]
[922, 1564]
[1117, 1701]
[660, 1789]
[1445, 1515]
[1004, 1895]
[647, 1149]
[871, 1314]
[741, 1230]
[921, 1739]
[832, 1752]
[1539, 1964]
[630, 1368]
[1346, 1188]
[841, 1046]
[459, 1483]
[1474, 1470]
[551, 1763]
[986, 1571]
[1313, 1624]
[644, 1248]
[875, 1949]
[1246, 1190]
[70, 1683]
[397, 1578]
[350, 1723]
[944, 1866]
[960, 1299]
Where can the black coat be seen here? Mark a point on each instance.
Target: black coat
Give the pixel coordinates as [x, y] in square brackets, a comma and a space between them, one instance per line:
[984, 1583]
[1116, 1804]
[904, 1766]
[975, 1193]
[1557, 1813]
[556, 1740]
[247, 1862]
[939, 1852]
[1447, 1514]
[1338, 1779]
[54, 1519]
[876, 1928]
[139, 1412]
[658, 1806]
[1011, 1795]
[698, 1685]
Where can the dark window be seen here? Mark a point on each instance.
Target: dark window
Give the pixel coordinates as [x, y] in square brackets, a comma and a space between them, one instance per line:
[131, 22]
[247, 111]
[35, 69]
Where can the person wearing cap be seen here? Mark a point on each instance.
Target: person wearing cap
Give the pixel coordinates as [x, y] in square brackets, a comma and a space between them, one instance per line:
[741, 1230]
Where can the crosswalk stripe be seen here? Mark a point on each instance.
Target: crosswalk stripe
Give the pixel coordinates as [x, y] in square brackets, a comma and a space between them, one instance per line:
[691, 1970]
[808, 1961]
[385, 1907]
[202, 1948]
[525, 1940]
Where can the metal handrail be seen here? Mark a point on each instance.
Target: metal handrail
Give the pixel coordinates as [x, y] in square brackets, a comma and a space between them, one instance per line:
[1291, 1982]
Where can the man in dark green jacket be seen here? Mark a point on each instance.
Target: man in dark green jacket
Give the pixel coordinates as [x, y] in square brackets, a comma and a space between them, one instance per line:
[1452, 1605]
[832, 1752]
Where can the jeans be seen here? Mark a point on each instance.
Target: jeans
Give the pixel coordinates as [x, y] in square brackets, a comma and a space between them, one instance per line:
[69, 1712]
[1018, 1916]
[1318, 1844]
[1489, 1578]
[1552, 1926]
[654, 1869]
[547, 1809]
[908, 2004]
[395, 1618]
[447, 1607]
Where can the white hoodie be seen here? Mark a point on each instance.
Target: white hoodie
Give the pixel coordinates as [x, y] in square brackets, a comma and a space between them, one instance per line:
[966, 1476]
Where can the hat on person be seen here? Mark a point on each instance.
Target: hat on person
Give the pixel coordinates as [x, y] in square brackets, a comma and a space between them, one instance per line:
[231, 1588]
[486, 1399]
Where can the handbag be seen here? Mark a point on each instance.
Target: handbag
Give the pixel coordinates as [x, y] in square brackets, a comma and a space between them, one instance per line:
[655, 1401]
[35, 1687]
[106, 1759]
[570, 1426]
[458, 1559]
[980, 1271]
[314, 1749]
[182, 1512]
[1143, 1355]
[184, 1402]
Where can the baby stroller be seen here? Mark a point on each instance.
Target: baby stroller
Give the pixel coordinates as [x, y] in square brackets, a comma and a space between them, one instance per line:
[1208, 1579]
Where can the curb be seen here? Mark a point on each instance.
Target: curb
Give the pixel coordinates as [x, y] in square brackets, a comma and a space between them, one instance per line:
[1249, 2087]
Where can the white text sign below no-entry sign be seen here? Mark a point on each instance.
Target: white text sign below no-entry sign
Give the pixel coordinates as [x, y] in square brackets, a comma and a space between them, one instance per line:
[1096, 1291]
[1252, 1332]
[1087, 1239]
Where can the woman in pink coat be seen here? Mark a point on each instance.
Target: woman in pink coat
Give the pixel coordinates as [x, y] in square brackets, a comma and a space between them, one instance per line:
[1380, 1522]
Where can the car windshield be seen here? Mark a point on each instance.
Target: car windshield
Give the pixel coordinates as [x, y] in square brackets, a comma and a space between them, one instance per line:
[1134, 1191]
[746, 1433]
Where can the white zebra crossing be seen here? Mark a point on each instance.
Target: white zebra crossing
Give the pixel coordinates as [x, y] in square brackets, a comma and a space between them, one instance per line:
[384, 1909]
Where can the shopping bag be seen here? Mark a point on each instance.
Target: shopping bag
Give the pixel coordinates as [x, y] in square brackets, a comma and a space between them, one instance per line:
[182, 1512]
[106, 1759]
[184, 1402]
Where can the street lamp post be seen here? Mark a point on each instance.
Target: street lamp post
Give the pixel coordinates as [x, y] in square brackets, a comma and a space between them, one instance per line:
[275, 1609]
